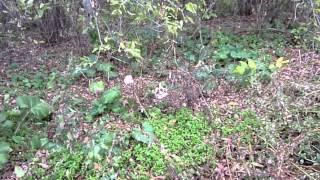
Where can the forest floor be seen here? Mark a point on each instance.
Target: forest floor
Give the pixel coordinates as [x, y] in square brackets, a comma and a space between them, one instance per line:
[264, 129]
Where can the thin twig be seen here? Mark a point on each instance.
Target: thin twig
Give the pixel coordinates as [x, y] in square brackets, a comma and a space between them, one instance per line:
[23, 119]
[303, 171]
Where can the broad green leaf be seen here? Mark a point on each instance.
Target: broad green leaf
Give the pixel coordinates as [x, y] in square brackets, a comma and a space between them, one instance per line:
[35, 142]
[7, 124]
[41, 110]
[117, 107]
[132, 50]
[3, 117]
[105, 67]
[27, 101]
[147, 127]
[96, 87]
[22, 3]
[4, 153]
[112, 75]
[19, 171]
[18, 139]
[5, 147]
[191, 7]
[222, 54]
[110, 96]
[146, 136]
[3, 158]
[106, 140]
[139, 136]
[98, 108]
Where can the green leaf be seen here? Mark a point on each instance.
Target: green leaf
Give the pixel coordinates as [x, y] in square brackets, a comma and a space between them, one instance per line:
[191, 7]
[4, 153]
[105, 67]
[35, 142]
[147, 127]
[96, 87]
[139, 136]
[94, 154]
[106, 140]
[27, 101]
[239, 54]
[3, 117]
[39, 109]
[3, 159]
[146, 136]
[19, 171]
[5, 147]
[18, 139]
[97, 109]
[7, 124]
[117, 107]
[110, 96]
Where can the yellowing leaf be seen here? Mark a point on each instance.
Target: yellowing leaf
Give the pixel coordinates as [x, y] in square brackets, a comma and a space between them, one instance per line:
[252, 65]
[241, 69]
[280, 62]
[191, 7]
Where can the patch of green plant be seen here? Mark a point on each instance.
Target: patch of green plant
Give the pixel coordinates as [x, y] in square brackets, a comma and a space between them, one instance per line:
[182, 135]
[108, 102]
[194, 50]
[228, 53]
[140, 160]
[107, 69]
[96, 87]
[63, 164]
[244, 127]
[37, 81]
[165, 140]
